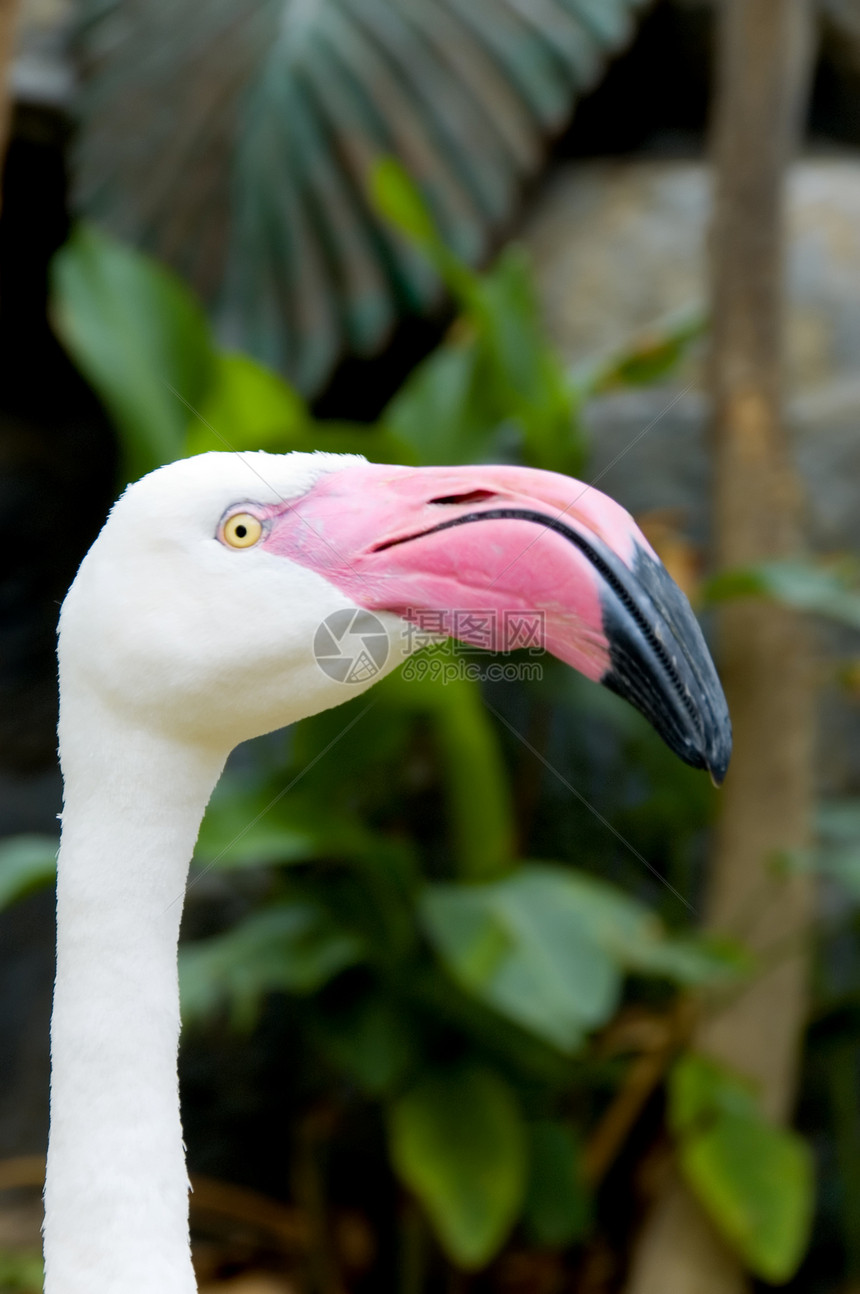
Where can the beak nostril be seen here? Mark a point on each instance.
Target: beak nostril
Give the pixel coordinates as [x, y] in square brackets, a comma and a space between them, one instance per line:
[473, 496]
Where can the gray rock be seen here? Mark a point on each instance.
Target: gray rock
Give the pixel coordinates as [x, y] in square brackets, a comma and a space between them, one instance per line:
[617, 247]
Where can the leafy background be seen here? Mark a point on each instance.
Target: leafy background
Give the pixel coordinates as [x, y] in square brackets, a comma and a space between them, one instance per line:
[290, 103]
[482, 994]
[437, 1011]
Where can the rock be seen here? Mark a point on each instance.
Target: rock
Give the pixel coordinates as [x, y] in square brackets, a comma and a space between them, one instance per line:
[619, 245]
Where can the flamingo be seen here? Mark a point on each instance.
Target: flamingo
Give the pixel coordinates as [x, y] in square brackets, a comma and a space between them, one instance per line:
[189, 628]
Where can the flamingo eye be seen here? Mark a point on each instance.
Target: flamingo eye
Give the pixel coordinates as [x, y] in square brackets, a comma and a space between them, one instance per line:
[242, 530]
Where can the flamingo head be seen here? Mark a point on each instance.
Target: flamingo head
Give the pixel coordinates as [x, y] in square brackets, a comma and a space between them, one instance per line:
[217, 601]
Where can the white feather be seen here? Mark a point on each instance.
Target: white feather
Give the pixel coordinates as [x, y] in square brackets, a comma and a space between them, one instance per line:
[172, 649]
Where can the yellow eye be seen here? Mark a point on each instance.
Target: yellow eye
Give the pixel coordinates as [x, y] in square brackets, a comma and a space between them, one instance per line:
[242, 530]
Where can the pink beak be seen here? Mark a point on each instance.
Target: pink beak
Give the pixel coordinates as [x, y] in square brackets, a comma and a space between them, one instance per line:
[512, 552]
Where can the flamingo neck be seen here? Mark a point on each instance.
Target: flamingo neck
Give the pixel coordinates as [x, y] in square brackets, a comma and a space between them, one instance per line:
[116, 1193]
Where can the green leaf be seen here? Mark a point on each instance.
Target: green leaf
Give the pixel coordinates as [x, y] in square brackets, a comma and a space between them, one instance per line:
[650, 356]
[547, 948]
[247, 406]
[526, 377]
[243, 828]
[557, 1208]
[700, 1089]
[467, 933]
[441, 410]
[458, 1142]
[632, 935]
[693, 960]
[754, 1179]
[495, 389]
[396, 197]
[293, 947]
[135, 332]
[756, 1182]
[371, 1040]
[472, 768]
[821, 591]
[27, 863]
[521, 948]
[246, 826]
[475, 779]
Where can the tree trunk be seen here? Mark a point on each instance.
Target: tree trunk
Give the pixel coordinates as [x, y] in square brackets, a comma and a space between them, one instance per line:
[762, 76]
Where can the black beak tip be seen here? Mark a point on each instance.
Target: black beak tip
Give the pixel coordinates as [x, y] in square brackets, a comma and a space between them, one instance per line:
[715, 752]
[708, 744]
[716, 759]
[661, 664]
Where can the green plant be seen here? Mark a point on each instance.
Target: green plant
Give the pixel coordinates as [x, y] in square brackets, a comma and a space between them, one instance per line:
[440, 980]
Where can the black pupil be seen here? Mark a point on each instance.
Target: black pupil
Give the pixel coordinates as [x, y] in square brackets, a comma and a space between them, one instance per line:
[241, 531]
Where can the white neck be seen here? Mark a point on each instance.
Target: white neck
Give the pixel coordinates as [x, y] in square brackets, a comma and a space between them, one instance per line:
[116, 1194]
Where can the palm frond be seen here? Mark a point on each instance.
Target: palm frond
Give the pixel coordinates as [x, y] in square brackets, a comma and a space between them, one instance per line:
[234, 139]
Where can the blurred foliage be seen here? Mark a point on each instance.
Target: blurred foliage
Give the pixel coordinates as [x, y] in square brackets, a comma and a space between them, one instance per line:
[136, 332]
[755, 1178]
[458, 1140]
[21, 1272]
[651, 356]
[377, 850]
[830, 591]
[264, 120]
[27, 863]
